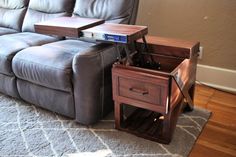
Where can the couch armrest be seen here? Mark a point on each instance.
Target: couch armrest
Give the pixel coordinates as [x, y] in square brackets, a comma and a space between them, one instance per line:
[92, 82]
[172, 47]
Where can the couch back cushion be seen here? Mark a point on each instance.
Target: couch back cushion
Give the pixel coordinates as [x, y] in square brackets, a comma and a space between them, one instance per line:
[42, 10]
[113, 11]
[12, 13]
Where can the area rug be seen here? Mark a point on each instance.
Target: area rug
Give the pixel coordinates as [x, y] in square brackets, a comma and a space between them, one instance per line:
[29, 131]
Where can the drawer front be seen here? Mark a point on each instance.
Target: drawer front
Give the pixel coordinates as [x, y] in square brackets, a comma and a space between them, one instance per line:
[140, 90]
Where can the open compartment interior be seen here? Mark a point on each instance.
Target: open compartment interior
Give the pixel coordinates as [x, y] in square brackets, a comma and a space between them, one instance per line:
[155, 62]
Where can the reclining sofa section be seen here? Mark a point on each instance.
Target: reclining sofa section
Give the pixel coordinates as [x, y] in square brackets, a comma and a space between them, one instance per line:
[11, 44]
[70, 77]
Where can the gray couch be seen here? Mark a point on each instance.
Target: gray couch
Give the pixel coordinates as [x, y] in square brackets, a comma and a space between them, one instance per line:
[70, 77]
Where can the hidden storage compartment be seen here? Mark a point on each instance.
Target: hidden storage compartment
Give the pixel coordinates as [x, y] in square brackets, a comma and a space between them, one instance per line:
[154, 63]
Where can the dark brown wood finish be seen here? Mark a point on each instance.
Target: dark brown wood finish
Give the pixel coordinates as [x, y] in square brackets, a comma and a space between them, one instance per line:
[172, 47]
[147, 91]
[151, 125]
[178, 49]
[66, 26]
[132, 32]
[159, 92]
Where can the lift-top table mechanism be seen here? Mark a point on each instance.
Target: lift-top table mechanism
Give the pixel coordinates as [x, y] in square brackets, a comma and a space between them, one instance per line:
[155, 76]
[122, 34]
[94, 29]
[119, 34]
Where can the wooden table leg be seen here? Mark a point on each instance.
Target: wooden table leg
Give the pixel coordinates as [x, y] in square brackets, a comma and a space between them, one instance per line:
[189, 105]
[166, 129]
[118, 114]
[169, 123]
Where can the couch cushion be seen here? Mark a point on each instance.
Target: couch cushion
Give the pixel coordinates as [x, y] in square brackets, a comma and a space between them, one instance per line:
[41, 10]
[53, 100]
[4, 30]
[8, 85]
[49, 65]
[12, 13]
[115, 11]
[13, 43]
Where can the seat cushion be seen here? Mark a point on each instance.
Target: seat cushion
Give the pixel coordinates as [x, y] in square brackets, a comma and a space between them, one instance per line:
[53, 100]
[4, 30]
[8, 85]
[49, 65]
[42, 10]
[13, 43]
[12, 13]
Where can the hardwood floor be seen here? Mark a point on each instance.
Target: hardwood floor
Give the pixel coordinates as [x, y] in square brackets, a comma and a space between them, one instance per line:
[218, 139]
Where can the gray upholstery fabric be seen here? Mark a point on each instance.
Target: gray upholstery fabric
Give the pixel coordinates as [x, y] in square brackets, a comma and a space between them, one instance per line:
[50, 68]
[52, 6]
[115, 11]
[49, 65]
[53, 100]
[8, 85]
[42, 10]
[45, 74]
[134, 12]
[13, 43]
[12, 13]
[92, 84]
[69, 77]
[13, 4]
[4, 30]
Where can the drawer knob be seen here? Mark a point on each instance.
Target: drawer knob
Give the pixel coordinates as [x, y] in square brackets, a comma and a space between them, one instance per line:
[138, 91]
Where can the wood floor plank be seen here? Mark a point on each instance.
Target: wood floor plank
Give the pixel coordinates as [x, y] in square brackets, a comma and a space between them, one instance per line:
[218, 139]
[220, 136]
[215, 146]
[224, 98]
[222, 114]
[204, 90]
[203, 95]
[213, 106]
[200, 150]
[201, 101]
[219, 124]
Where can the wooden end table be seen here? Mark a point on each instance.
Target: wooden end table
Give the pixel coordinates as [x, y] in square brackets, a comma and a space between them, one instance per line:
[156, 94]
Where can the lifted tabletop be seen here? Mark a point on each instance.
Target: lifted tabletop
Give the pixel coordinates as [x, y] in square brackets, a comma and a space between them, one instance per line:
[91, 28]
[66, 26]
[118, 33]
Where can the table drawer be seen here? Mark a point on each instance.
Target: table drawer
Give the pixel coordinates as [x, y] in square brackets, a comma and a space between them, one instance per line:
[140, 90]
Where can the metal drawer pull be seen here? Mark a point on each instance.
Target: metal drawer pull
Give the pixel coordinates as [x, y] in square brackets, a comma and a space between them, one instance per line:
[139, 91]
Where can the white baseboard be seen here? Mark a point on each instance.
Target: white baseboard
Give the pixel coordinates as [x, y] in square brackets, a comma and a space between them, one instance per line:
[223, 79]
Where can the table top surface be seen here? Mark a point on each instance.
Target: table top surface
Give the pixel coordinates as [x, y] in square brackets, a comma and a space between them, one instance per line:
[70, 22]
[72, 27]
[179, 43]
[66, 26]
[118, 29]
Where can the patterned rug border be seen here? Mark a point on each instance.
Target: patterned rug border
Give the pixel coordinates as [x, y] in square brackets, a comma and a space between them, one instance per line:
[26, 130]
[204, 125]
